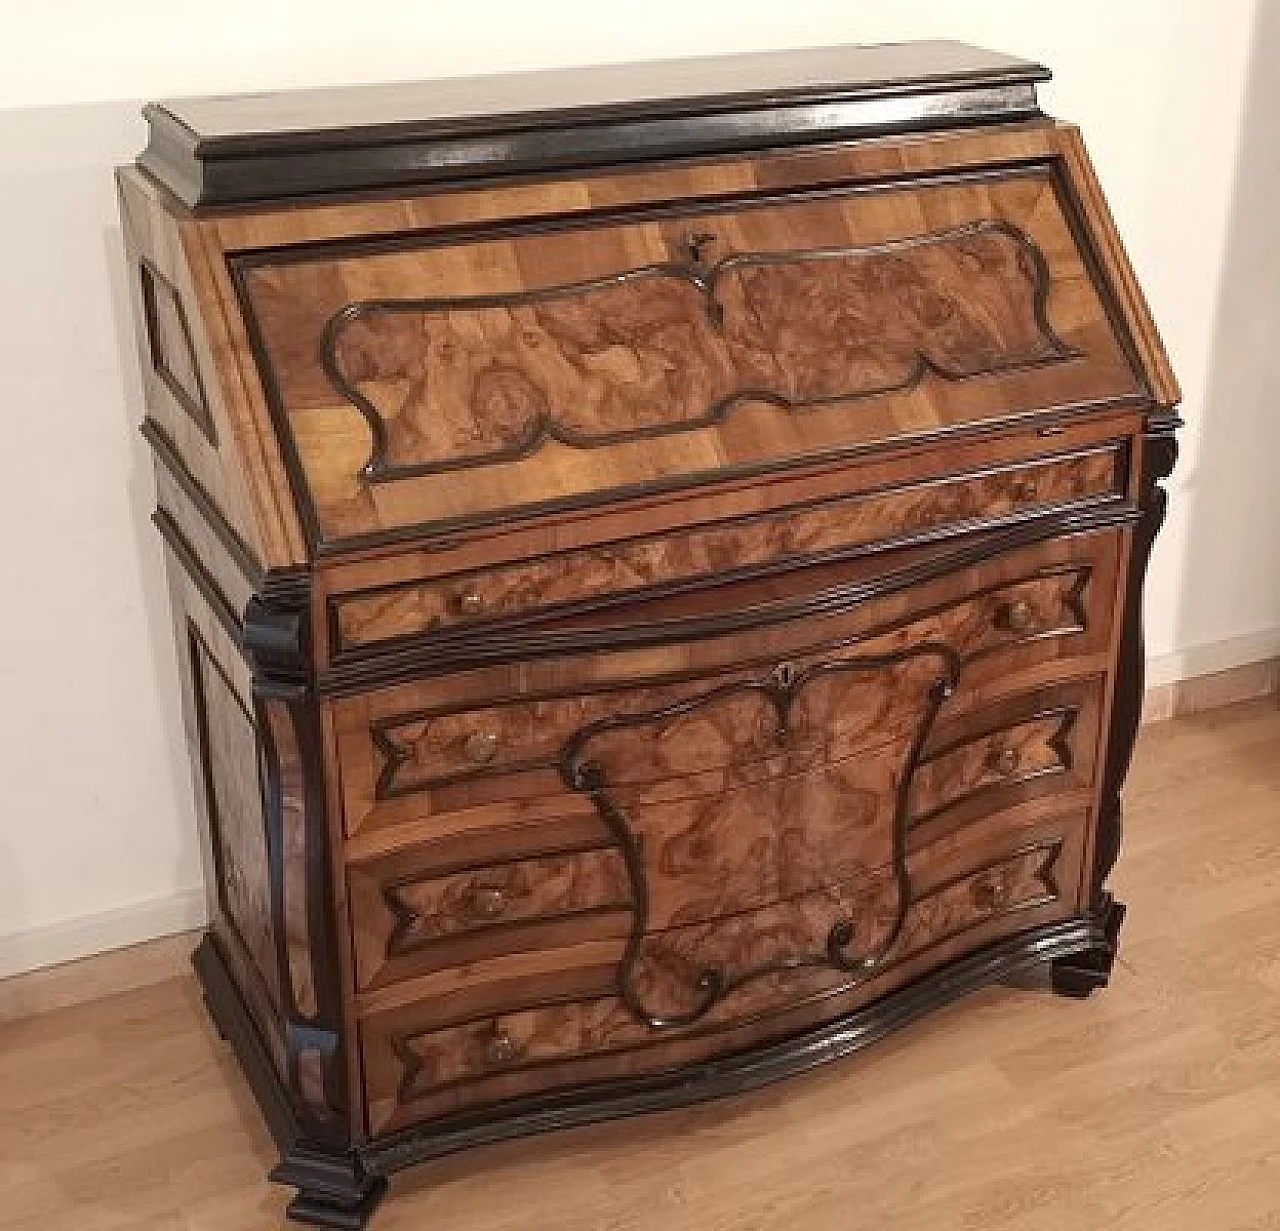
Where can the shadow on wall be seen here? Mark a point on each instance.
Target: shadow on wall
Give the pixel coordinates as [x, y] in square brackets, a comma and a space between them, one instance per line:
[1232, 484]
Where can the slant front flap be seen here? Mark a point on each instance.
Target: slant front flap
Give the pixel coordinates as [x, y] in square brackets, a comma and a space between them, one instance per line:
[422, 383]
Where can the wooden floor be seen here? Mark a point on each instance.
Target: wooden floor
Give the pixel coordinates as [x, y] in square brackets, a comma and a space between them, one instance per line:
[1155, 1106]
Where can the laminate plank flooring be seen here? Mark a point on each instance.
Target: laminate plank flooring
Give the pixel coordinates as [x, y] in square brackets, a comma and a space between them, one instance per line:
[1155, 1106]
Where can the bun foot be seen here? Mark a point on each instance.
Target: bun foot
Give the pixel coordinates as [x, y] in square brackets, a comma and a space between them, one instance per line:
[333, 1190]
[1080, 974]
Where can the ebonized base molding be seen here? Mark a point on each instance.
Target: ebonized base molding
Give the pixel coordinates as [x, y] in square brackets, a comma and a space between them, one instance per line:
[342, 1188]
[335, 1189]
[1080, 974]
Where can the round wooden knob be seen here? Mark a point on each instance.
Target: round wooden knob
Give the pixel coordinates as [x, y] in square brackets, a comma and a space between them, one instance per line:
[1024, 491]
[481, 747]
[488, 902]
[985, 895]
[501, 1048]
[1003, 760]
[1016, 617]
[471, 603]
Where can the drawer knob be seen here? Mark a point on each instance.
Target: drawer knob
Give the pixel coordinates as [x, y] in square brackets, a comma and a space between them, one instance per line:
[986, 896]
[1015, 617]
[471, 603]
[501, 1048]
[1025, 491]
[487, 902]
[1003, 759]
[481, 747]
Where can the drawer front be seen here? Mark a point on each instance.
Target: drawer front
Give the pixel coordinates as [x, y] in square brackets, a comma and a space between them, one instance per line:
[436, 747]
[773, 968]
[435, 383]
[599, 579]
[1036, 743]
[408, 918]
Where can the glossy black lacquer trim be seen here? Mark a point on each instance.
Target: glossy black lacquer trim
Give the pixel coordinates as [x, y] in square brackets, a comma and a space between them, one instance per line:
[240, 264]
[344, 652]
[235, 1023]
[378, 468]
[746, 1070]
[741, 1071]
[574, 119]
[1159, 455]
[779, 688]
[335, 1189]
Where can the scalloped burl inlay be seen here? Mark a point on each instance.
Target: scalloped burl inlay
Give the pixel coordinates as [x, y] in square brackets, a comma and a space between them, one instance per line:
[466, 381]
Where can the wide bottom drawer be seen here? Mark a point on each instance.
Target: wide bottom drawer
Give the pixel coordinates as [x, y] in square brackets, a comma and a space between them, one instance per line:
[719, 986]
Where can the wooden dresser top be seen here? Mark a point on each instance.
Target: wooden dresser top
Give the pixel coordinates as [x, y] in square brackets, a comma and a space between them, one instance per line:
[242, 149]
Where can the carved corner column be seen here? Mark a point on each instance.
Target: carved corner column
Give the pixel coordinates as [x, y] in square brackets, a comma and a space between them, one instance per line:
[317, 1156]
[1081, 973]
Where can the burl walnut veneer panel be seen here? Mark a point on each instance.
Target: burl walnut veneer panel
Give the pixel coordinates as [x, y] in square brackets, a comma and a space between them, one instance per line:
[664, 360]
[657, 576]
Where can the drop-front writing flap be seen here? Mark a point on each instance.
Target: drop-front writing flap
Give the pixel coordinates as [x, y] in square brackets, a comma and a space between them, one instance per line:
[425, 384]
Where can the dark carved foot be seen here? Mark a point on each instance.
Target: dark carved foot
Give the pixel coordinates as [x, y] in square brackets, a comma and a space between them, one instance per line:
[213, 1017]
[333, 1190]
[1079, 974]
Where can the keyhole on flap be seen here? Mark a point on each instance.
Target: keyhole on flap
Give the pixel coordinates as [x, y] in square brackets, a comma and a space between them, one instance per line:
[783, 679]
[695, 243]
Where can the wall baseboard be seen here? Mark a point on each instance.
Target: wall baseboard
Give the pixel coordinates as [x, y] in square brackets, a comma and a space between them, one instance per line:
[103, 931]
[96, 976]
[1205, 677]
[1186, 666]
[1248, 682]
[112, 951]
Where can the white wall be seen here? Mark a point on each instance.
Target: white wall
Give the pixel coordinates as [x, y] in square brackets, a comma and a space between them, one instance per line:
[96, 835]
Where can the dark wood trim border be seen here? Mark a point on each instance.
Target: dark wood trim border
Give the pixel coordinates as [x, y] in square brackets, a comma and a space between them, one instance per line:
[166, 454]
[489, 647]
[342, 654]
[576, 118]
[356, 1177]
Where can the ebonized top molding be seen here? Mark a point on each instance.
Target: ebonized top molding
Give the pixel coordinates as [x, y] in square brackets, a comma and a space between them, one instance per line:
[243, 149]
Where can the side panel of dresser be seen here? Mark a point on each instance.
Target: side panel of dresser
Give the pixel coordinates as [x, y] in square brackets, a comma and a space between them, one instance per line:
[199, 417]
[254, 735]
[238, 601]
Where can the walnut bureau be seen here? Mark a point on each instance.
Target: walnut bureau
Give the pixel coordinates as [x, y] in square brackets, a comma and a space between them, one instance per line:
[656, 554]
